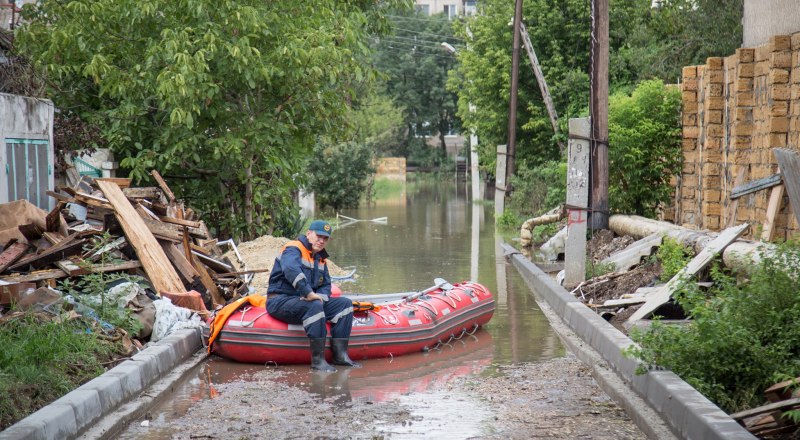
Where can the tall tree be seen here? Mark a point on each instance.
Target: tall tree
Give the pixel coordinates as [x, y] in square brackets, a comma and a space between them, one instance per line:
[416, 65]
[225, 97]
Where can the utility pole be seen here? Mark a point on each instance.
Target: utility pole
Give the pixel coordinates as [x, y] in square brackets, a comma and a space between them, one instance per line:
[512, 105]
[598, 110]
[537, 70]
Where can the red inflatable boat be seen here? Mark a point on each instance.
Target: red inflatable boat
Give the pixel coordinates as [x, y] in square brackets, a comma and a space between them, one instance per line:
[405, 323]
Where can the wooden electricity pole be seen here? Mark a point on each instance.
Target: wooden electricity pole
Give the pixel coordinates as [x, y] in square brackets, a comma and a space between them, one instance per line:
[537, 71]
[598, 110]
[512, 105]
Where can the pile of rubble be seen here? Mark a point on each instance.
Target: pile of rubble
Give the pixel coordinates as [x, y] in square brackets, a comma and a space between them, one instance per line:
[105, 226]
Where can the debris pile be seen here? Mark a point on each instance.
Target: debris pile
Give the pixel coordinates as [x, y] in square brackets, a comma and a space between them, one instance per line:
[104, 226]
[771, 420]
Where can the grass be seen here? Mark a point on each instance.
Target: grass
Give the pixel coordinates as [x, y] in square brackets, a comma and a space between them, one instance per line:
[388, 188]
[42, 359]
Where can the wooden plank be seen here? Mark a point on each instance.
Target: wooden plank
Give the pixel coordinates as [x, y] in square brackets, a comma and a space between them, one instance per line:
[73, 268]
[177, 221]
[632, 255]
[789, 162]
[700, 261]
[148, 192]
[209, 284]
[37, 275]
[93, 200]
[774, 205]
[53, 237]
[53, 219]
[163, 229]
[756, 185]
[69, 246]
[58, 196]
[783, 404]
[163, 185]
[155, 262]
[735, 202]
[11, 254]
[122, 182]
[185, 269]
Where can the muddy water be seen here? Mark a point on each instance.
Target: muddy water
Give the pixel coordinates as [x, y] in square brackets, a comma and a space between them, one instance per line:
[432, 230]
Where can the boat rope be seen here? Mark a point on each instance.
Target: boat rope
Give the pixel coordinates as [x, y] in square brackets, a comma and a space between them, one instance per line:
[249, 323]
[391, 320]
[451, 303]
[432, 309]
[474, 329]
[453, 295]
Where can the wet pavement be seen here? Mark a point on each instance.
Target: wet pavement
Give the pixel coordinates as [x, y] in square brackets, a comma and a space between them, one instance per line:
[465, 389]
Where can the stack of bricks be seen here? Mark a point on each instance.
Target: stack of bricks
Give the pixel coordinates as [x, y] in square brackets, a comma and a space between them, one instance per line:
[686, 194]
[735, 111]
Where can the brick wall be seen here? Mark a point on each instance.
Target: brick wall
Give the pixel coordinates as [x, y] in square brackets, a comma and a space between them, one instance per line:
[735, 110]
[391, 168]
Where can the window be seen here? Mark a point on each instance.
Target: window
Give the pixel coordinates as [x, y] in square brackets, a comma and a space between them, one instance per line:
[450, 11]
[423, 9]
[470, 7]
[28, 171]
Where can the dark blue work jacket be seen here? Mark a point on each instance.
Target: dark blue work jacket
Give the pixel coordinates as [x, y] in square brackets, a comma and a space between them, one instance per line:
[298, 271]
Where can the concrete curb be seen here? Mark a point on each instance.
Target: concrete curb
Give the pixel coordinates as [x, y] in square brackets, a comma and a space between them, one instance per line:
[688, 413]
[76, 412]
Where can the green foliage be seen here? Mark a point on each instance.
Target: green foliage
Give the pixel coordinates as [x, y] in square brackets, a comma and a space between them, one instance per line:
[644, 43]
[509, 221]
[539, 188]
[43, 359]
[677, 33]
[388, 189]
[542, 233]
[339, 174]
[673, 256]
[644, 147]
[742, 335]
[416, 66]
[224, 98]
[596, 269]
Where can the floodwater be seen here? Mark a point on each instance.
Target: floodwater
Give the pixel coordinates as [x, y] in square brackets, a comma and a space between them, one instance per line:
[432, 230]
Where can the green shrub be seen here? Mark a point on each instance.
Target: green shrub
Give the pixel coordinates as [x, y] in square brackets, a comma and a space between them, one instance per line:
[338, 174]
[644, 147]
[538, 189]
[509, 221]
[743, 337]
[673, 256]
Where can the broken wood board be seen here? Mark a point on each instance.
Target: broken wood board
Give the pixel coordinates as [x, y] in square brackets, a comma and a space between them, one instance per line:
[774, 205]
[155, 262]
[782, 405]
[756, 185]
[163, 185]
[150, 192]
[122, 182]
[632, 255]
[11, 254]
[735, 202]
[38, 275]
[185, 269]
[700, 261]
[67, 247]
[789, 162]
[209, 284]
[216, 265]
[181, 222]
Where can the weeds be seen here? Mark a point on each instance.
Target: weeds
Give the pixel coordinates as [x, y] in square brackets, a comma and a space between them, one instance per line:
[43, 359]
[743, 335]
[673, 256]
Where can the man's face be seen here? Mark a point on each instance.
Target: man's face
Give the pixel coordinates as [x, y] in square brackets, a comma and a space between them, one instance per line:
[318, 242]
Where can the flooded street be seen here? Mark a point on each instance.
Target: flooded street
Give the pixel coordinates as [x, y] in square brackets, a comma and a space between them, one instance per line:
[511, 379]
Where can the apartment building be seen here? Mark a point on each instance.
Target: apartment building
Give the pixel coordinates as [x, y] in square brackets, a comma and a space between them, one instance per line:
[451, 8]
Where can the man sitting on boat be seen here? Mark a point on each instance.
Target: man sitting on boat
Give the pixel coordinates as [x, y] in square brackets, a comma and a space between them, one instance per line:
[299, 293]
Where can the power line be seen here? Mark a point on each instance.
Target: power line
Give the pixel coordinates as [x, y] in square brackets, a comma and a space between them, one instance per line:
[415, 45]
[429, 33]
[429, 19]
[415, 40]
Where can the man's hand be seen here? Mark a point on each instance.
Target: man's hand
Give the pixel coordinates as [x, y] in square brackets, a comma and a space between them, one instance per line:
[313, 297]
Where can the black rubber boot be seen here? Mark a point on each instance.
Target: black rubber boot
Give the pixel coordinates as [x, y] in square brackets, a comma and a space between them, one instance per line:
[318, 361]
[340, 357]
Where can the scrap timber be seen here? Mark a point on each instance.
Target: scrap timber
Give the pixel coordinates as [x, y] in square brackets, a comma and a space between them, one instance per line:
[105, 225]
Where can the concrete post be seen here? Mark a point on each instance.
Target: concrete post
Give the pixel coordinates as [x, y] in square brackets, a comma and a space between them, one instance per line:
[577, 200]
